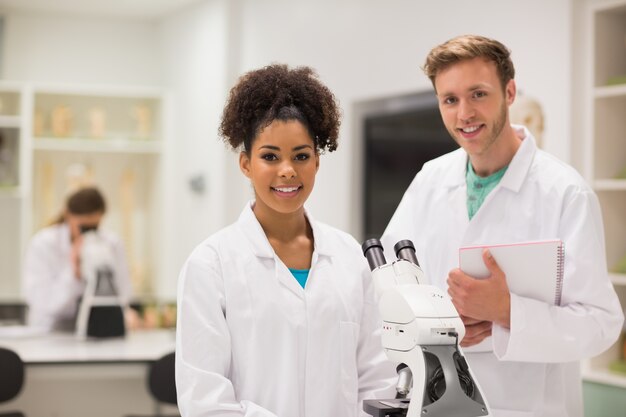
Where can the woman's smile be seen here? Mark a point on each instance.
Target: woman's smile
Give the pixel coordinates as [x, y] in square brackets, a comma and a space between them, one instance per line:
[286, 191]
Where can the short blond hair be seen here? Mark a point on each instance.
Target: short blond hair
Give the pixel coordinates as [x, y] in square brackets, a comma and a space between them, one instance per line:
[467, 47]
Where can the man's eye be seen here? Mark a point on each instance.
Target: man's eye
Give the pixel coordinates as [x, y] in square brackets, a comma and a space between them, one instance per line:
[479, 94]
[449, 100]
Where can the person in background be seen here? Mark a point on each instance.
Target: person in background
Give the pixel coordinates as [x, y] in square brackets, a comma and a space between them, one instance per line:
[53, 284]
[499, 188]
[276, 312]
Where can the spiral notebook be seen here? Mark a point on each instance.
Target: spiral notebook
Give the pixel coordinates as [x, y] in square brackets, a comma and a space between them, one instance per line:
[532, 269]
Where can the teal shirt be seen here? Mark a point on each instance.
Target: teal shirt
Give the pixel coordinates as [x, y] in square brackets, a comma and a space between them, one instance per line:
[300, 275]
[479, 187]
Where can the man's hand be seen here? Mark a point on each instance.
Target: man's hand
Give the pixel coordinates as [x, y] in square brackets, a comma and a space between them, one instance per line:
[475, 331]
[485, 299]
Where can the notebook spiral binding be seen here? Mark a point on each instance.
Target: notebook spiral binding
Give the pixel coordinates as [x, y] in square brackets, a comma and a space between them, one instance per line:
[559, 273]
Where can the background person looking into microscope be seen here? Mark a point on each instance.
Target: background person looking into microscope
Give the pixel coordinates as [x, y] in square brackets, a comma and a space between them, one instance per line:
[53, 284]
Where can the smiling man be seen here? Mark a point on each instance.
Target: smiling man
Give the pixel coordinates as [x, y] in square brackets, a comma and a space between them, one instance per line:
[499, 188]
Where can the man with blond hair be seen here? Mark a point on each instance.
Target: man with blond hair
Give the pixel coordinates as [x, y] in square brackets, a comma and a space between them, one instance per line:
[498, 187]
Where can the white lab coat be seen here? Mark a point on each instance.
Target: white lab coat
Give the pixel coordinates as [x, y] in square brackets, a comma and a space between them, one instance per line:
[531, 369]
[251, 341]
[49, 285]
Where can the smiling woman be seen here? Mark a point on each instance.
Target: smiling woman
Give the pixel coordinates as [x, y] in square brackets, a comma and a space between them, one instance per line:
[281, 165]
[277, 302]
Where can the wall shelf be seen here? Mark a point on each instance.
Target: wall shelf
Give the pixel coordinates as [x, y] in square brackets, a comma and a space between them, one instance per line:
[97, 145]
[10, 121]
[610, 185]
[605, 153]
[610, 91]
[618, 279]
[605, 377]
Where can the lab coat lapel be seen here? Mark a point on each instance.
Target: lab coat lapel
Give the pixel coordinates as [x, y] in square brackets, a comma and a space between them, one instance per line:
[321, 252]
[454, 182]
[252, 230]
[262, 248]
[520, 165]
[286, 278]
[492, 210]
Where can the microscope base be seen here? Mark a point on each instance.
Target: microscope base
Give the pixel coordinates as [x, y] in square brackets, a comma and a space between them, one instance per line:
[386, 408]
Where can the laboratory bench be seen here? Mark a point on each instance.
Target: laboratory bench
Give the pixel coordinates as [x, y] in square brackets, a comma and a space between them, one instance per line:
[69, 377]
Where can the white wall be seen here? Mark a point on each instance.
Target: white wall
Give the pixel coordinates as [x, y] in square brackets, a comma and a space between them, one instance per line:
[194, 60]
[367, 49]
[85, 50]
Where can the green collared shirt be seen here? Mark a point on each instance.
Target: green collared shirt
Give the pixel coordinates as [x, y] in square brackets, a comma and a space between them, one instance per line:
[479, 187]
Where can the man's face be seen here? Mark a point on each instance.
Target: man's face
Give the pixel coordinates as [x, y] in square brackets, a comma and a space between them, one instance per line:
[473, 106]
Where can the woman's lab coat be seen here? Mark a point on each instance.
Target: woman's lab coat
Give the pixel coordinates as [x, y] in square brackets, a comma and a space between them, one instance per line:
[531, 369]
[251, 341]
[50, 286]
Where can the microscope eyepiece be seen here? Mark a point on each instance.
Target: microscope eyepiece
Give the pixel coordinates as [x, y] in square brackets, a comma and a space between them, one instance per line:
[405, 249]
[373, 251]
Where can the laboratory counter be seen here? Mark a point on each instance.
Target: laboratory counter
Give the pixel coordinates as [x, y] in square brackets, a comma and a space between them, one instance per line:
[69, 377]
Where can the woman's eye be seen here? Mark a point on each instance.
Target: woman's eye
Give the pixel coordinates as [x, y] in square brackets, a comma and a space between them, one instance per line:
[302, 156]
[269, 157]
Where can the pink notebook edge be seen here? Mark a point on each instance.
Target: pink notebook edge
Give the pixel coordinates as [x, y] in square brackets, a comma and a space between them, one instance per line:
[526, 243]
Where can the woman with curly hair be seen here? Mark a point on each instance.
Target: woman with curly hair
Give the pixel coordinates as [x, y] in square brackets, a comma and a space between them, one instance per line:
[276, 312]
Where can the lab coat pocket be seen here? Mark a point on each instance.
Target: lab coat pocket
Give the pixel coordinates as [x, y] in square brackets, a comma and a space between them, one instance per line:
[349, 333]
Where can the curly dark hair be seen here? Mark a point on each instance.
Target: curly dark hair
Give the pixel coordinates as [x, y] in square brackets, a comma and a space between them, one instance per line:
[277, 92]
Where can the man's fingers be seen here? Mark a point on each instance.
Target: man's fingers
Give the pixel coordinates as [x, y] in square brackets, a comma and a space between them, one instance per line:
[478, 328]
[491, 263]
[476, 333]
[468, 321]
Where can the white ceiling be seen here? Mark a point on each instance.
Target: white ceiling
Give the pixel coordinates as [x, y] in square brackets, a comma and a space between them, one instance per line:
[119, 8]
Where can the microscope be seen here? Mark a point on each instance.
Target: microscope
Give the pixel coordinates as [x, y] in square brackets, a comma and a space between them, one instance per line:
[421, 331]
[100, 313]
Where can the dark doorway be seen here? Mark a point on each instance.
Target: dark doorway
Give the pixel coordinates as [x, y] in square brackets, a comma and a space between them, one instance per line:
[397, 143]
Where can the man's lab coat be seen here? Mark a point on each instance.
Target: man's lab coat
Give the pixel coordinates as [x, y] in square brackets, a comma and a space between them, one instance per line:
[531, 369]
[251, 341]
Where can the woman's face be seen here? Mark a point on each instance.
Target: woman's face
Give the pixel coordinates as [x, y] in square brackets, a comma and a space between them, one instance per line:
[281, 165]
[76, 221]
